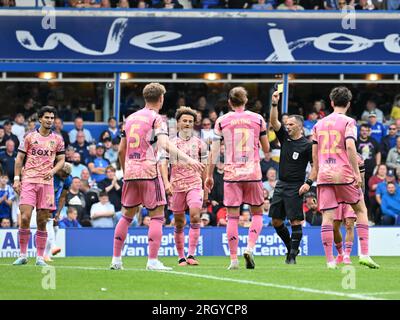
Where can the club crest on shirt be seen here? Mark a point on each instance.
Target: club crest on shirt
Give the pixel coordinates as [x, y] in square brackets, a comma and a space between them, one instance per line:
[51, 144]
[295, 155]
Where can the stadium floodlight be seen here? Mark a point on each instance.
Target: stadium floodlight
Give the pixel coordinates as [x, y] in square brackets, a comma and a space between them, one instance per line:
[373, 77]
[211, 76]
[47, 75]
[125, 76]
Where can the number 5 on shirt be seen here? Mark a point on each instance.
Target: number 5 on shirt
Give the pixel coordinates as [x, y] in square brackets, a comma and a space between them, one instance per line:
[134, 135]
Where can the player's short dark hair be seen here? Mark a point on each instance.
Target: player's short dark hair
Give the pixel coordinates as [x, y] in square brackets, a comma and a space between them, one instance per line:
[298, 118]
[340, 96]
[47, 109]
[185, 110]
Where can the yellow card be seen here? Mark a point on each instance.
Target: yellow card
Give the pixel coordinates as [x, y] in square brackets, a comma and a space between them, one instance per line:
[280, 88]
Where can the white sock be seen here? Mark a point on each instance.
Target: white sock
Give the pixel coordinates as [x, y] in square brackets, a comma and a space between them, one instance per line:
[50, 238]
[116, 260]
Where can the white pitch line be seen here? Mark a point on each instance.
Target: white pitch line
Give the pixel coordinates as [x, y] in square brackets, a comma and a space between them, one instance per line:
[364, 296]
[380, 293]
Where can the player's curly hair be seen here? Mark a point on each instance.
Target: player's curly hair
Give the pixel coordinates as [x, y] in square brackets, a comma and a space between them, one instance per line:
[340, 96]
[185, 110]
[153, 91]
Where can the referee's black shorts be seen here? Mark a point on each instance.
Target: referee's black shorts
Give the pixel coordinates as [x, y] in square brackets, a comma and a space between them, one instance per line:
[286, 201]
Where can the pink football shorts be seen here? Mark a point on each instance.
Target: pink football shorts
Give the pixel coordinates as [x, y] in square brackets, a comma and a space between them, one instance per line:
[330, 196]
[249, 192]
[344, 211]
[149, 193]
[181, 201]
[38, 195]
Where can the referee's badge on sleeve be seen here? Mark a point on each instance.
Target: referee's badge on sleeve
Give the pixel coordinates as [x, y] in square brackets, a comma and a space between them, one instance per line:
[295, 155]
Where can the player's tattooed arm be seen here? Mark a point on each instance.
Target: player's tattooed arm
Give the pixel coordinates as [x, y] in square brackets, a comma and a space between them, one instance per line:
[19, 161]
[276, 125]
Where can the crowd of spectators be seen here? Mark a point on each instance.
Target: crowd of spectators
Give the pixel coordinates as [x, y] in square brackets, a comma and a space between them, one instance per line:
[227, 4]
[94, 198]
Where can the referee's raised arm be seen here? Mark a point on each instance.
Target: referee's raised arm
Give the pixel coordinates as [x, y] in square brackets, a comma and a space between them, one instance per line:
[276, 125]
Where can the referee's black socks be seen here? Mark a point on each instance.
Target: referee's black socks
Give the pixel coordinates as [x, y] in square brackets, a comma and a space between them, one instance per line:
[284, 234]
[297, 234]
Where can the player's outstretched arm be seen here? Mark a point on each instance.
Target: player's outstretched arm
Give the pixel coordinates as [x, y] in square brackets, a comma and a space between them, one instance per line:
[276, 125]
[213, 157]
[164, 143]
[17, 171]
[122, 153]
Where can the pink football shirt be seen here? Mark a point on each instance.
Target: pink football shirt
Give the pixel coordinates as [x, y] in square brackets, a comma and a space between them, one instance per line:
[141, 129]
[41, 152]
[330, 133]
[184, 177]
[241, 131]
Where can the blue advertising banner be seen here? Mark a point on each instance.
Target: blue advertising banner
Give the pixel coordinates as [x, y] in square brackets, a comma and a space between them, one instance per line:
[132, 37]
[212, 242]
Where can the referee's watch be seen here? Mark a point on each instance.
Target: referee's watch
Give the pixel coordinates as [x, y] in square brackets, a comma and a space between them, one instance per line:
[309, 182]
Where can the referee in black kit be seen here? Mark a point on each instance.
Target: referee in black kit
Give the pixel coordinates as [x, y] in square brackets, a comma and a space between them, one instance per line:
[287, 201]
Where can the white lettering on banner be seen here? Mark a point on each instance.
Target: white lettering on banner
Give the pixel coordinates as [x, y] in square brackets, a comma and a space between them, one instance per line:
[283, 49]
[145, 39]
[115, 35]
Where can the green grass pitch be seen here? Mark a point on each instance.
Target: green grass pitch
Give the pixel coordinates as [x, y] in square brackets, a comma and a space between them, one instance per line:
[89, 278]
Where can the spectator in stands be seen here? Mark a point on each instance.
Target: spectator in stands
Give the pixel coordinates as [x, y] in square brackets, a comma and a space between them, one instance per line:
[343, 5]
[236, 4]
[123, 4]
[81, 145]
[79, 127]
[213, 116]
[98, 166]
[373, 183]
[216, 195]
[267, 163]
[86, 4]
[222, 217]
[146, 221]
[393, 4]
[7, 196]
[245, 219]
[377, 129]
[263, 5]
[320, 107]
[270, 184]
[85, 176]
[311, 121]
[331, 5]
[370, 152]
[313, 216]
[113, 128]
[290, 5]
[267, 221]
[5, 223]
[205, 220]
[58, 128]
[76, 199]
[18, 128]
[393, 158]
[8, 133]
[91, 193]
[106, 4]
[198, 124]
[70, 221]
[3, 139]
[104, 135]
[113, 187]
[102, 212]
[364, 5]
[69, 153]
[31, 125]
[7, 159]
[371, 107]
[395, 113]
[391, 205]
[92, 154]
[168, 4]
[77, 166]
[312, 4]
[381, 189]
[202, 104]
[388, 142]
[7, 3]
[207, 133]
[112, 153]
[28, 109]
